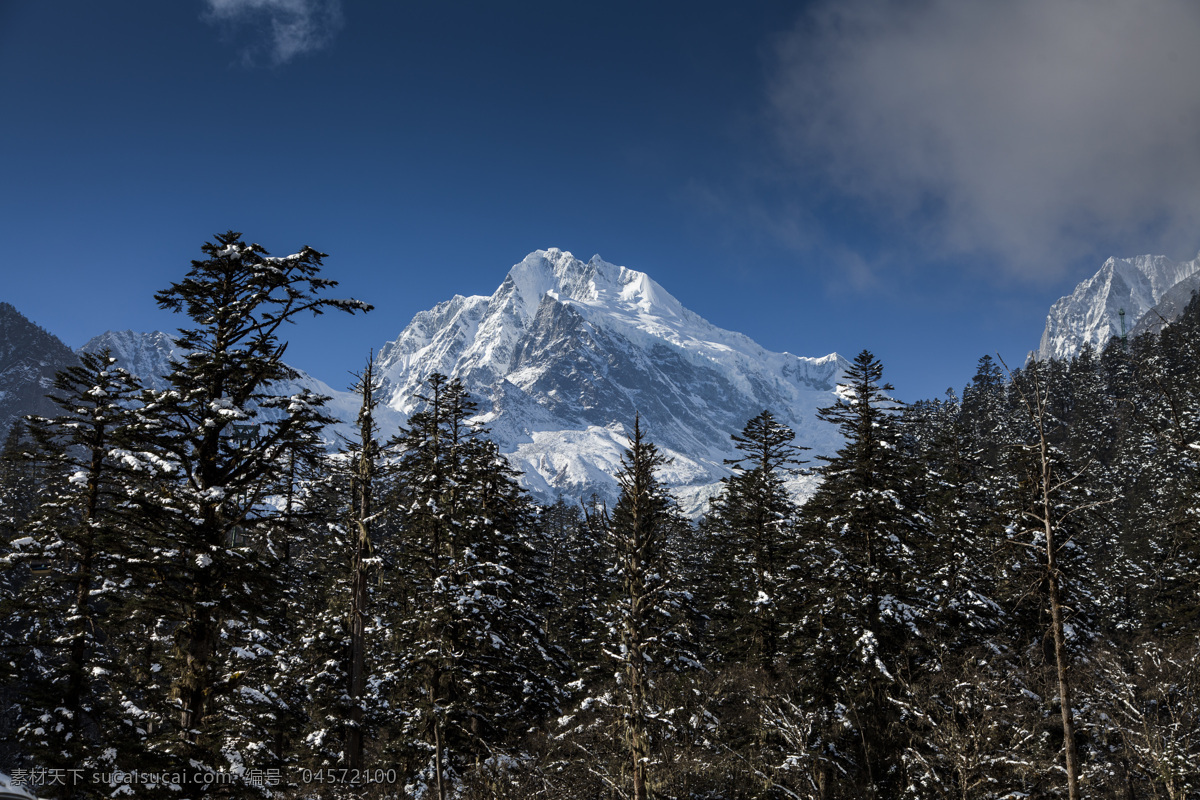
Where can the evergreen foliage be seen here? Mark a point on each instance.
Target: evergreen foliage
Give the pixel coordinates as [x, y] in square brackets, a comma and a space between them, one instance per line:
[467, 634]
[751, 525]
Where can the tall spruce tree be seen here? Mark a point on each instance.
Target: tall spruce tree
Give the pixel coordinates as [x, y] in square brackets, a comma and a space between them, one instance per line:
[86, 541]
[347, 690]
[479, 671]
[646, 615]
[1050, 523]
[866, 607]
[753, 523]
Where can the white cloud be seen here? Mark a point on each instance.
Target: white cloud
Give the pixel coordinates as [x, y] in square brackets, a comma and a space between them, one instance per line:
[1029, 130]
[293, 27]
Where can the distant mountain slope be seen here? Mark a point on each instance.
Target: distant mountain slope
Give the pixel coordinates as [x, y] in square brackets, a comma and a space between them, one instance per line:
[148, 355]
[565, 353]
[1091, 312]
[29, 358]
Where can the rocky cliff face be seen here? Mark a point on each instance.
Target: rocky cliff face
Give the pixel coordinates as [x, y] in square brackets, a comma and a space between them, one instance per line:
[1169, 307]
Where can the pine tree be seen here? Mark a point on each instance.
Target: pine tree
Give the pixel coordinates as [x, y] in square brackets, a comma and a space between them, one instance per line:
[752, 520]
[87, 534]
[320, 568]
[1051, 485]
[219, 556]
[866, 609]
[364, 471]
[482, 672]
[646, 615]
[1164, 459]
[957, 515]
[572, 565]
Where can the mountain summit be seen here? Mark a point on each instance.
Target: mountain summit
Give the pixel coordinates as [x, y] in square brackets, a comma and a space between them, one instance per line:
[1091, 313]
[565, 353]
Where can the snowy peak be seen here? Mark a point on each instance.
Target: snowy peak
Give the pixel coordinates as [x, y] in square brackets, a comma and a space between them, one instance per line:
[1091, 313]
[146, 355]
[565, 353]
[596, 283]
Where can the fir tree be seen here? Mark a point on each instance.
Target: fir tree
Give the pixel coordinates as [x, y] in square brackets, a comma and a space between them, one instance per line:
[482, 671]
[1053, 500]
[646, 615]
[88, 534]
[364, 475]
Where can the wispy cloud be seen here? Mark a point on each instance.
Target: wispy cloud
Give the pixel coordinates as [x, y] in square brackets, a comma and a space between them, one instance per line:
[292, 27]
[1032, 131]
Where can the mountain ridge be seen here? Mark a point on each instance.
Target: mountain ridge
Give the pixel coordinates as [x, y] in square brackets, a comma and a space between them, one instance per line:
[561, 358]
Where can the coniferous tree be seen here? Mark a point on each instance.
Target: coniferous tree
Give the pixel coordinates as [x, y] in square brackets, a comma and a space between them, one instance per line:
[1045, 516]
[573, 567]
[364, 475]
[353, 676]
[19, 473]
[646, 615]
[866, 610]
[219, 555]
[753, 520]
[319, 571]
[86, 539]
[481, 670]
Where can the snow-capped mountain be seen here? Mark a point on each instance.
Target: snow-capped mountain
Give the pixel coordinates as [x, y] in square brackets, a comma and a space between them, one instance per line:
[1091, 313]
[564, 354]
[29, 358]
[146, 355]
[149, 355]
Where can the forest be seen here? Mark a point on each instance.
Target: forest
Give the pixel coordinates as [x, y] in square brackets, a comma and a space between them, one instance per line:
[993, 595]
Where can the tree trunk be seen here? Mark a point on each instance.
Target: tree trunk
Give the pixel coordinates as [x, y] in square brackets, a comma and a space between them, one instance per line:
[1038, 414]
[639, 745]
[1062, 657]
[1064, 685]
[357, 676]
[198, 652]
[363, 482]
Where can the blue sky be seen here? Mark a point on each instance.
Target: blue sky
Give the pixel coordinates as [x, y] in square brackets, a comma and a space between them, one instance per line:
[919, 179]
